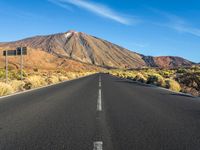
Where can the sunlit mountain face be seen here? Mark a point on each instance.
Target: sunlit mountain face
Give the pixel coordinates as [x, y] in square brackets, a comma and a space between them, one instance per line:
[88, 49]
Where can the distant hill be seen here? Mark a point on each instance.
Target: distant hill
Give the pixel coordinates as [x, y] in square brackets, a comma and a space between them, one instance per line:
[166, 61]
[83, 48]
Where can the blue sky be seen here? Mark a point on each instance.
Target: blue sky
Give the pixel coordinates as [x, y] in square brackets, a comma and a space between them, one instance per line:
[150, 27]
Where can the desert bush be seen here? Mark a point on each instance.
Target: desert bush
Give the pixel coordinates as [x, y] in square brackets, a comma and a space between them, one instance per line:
[2, 74]
[35, 69]
[121, 74]
[190, 80]
[140, 77]
[52, 79]
[5, 89]
[182, 70]
[131, 75]
[12, 74]
[166, 73]
[17, 85]
[17, 75]
[149, 71]
[186, 79]
[71, 75]
[173, 85]
[124, 74]
[156, 79]
[34, 81]
[63, 78]
[85, 73]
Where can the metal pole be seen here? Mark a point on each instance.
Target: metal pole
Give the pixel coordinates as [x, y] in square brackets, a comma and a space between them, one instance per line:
[6, 64]
[21, 65]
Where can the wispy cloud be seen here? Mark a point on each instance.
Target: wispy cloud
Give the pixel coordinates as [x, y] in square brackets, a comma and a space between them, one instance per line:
[181, 25]
[59, 3]
[99, 9]
[177, 23]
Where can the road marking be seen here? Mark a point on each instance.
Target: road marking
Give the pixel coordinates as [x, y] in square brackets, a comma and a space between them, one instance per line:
[99, 103]
[98, 145]
[99, 84]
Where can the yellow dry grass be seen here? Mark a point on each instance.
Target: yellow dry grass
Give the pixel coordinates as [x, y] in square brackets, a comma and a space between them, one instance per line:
[34, 82]
[173, 85]
[17, 85]
[5, 89]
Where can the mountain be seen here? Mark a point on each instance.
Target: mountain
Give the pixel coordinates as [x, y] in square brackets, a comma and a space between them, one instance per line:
[166, 61]
[91, 50]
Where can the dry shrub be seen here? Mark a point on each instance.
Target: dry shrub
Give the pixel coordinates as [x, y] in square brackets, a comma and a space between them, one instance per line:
[166, 73]
[5, 89]
[156, 79]
[34, 82]
[140, 77]
[173, 85]
[63, 78]
[17, 85]
[84, 74]
[122, 74]
[71, 75]
[52, 79]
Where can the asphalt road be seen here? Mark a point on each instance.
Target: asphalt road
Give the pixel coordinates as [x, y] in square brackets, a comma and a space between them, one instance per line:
[100, 112]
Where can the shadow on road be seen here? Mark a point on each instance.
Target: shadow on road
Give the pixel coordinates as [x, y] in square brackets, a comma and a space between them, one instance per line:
[184, 95]
[135, 83]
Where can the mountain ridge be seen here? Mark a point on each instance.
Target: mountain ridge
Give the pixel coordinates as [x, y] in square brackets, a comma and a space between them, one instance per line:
[93, 50]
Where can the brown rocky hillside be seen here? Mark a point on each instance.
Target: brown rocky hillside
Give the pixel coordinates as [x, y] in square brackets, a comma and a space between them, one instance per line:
[82, 48]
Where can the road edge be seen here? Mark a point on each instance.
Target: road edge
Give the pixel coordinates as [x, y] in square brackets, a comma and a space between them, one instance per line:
[158, 87]
[38, 88]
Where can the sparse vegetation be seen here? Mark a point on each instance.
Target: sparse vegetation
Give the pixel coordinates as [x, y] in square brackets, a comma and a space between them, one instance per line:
[140, 77]
[156, 79]
[185, 80]
[17, 85]
[52, 79]
[5, 89]
[34, 79]
[173, 85]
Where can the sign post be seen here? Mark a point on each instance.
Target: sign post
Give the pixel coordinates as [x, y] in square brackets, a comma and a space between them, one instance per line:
[19, 51]
[6, 65]
[21, 67]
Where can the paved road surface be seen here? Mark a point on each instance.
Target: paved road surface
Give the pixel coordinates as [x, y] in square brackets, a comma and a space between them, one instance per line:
[100, 112]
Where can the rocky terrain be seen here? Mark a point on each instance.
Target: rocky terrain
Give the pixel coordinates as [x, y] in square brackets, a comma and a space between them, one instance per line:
[58, 50]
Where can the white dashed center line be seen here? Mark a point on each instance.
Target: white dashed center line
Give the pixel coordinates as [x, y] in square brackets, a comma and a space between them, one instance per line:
[99, 84]
[98, 145]
[99, 103]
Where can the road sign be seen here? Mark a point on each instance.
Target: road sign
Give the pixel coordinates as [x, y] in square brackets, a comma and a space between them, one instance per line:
[21, 51]
[9, 53]
[16, 52]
